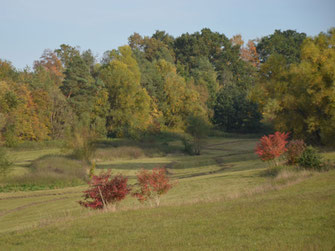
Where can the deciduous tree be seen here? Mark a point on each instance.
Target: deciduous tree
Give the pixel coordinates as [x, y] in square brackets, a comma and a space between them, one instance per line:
[300, 97]
[129, 111]
[105, 191]
[286, 43]
[152, 185]
[233, 112]
[271, 147]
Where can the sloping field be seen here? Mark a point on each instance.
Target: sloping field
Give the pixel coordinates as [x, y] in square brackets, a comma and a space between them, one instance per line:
[224, 199]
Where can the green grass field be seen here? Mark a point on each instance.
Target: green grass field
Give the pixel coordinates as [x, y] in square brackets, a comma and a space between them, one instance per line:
[224, 199]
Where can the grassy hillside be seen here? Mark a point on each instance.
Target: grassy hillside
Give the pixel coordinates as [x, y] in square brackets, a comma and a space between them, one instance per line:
[224, 198]
[299, 217]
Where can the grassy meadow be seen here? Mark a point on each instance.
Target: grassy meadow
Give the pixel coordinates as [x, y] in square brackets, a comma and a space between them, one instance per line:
[226, 198]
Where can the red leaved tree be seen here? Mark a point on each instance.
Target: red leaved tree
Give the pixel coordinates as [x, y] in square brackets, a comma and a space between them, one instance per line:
[273, 146]
[152, 185]
[105, 191]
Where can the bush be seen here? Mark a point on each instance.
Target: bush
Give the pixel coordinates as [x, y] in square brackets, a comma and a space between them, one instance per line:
[5, 164]
[311, 159]
[198, 128]
[188, 142]
[105, 191]
[152, 185]
[294, 150]
[271, 147]
[82, 144]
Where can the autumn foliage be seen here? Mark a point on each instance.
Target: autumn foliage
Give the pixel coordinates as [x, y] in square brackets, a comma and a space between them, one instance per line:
[273, 146]
[105, 191]
[152, 185]
[294, 150]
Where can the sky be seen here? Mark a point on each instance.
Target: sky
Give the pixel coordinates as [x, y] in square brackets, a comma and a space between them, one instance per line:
[28, 27]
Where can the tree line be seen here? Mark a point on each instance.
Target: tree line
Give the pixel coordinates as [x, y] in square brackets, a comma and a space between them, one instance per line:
[285, 80]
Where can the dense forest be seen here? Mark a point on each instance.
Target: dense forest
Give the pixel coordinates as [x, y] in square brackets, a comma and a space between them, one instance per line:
[284, 81]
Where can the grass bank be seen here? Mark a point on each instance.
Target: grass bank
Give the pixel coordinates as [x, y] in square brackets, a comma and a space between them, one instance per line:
[298, 217]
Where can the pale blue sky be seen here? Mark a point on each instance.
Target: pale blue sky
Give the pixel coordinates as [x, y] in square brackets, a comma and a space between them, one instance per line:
[27, 27]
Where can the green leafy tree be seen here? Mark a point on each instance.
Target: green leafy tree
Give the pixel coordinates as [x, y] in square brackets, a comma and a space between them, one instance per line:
[159, 46]
[206, 44]
[129, 111]
[151, 79]
[233, 112]
[286, 43]
[216, 47]
[211, 59]
[66, 53]
[206, 84]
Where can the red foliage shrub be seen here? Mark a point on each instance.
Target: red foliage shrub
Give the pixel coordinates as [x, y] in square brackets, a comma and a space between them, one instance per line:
[272, 146]
[152, 185]
[294, 150]
[105, 191]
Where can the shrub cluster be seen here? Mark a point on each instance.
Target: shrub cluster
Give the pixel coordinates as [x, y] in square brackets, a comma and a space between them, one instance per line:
[106, 191]
[297, 152]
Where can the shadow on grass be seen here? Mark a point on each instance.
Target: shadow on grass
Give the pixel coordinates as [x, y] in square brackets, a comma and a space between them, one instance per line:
[274, 171]
[48, 172]
[226, 162]
[161, 142]
[201, 173]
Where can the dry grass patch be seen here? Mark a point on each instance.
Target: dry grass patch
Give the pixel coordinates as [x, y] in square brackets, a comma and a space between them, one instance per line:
[121, 152]
[284, 178]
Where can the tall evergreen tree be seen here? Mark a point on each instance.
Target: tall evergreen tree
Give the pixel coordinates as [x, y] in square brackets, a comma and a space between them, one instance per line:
[77, 86]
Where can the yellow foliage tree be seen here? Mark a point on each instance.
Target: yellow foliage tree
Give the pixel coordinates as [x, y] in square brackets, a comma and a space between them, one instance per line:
[180, 100]
[129, 111]
[24, 112]
[300, 97]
